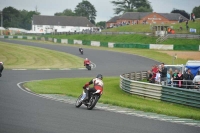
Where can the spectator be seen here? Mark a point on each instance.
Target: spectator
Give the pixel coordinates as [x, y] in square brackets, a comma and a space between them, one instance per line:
[174, 78]
[155, 68]
[150, 77]
[193, 17]
[186, 23]
[180, 79]
[163, 72]
[157, 78]
[187, 27]
[154, 71]
[196, 80]
[169, 77]
[188, 76]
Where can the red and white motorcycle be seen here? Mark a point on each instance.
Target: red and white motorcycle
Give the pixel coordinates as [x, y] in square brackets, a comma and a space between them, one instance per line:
[92, 100]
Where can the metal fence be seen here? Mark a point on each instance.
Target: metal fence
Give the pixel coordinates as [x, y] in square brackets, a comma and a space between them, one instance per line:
[130, 82]
[188, 36]
[140, 88]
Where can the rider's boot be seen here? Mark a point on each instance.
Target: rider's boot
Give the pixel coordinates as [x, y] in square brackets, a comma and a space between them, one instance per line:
[86, 97]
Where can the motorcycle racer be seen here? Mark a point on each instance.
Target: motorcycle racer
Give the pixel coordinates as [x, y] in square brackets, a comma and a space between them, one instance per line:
[86, 62]
[81, 50]
[98, 85]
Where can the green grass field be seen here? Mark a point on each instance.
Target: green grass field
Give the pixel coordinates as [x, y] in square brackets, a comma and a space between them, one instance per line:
[20, 56]
[113, 95]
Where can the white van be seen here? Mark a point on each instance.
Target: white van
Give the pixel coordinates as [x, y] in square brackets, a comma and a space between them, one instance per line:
[176, 67]
[193, 63]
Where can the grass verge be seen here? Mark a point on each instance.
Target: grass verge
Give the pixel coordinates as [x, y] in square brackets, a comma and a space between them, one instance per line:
[130, 38]
[113, 95]
[28, 57]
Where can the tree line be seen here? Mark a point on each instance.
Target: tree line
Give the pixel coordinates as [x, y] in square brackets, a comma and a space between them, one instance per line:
[23, 18]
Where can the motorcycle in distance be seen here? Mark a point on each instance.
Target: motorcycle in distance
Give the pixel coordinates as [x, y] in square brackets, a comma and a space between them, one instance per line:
[88, 66]
[92, 100]
[81, 50]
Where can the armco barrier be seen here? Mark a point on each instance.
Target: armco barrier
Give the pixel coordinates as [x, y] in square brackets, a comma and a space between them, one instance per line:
[122, 45]
[161, 46]
[86, 42]
[186, 47]
[110, 44]
[70, 41]
[78, 42]
[64, 41]
[182, 96]
[140, 88]
[104, 44]
[24, 37]
[58, 40]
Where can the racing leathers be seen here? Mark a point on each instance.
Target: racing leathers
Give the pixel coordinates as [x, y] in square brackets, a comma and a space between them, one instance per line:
[86, 62]
[98, 85]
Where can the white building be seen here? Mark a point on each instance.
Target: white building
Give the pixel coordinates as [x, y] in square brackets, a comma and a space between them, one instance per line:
[48, 24]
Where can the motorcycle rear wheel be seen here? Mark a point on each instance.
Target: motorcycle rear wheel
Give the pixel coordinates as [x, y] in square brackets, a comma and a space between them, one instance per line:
[92, 102]
[78, 101]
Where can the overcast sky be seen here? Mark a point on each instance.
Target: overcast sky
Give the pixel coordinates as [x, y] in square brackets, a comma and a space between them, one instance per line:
[104, 7]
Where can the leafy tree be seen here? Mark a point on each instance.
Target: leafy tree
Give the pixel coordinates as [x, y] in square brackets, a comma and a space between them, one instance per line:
[196, 11]
[17, 18]
[123, 6]
[101, 24]
[66, 12]
[182, 12]
[11, 17]
[26, 19]
[86, 9]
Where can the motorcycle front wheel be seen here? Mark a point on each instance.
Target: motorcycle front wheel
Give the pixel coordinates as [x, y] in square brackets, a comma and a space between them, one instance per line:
[92, 102]
[78, 101]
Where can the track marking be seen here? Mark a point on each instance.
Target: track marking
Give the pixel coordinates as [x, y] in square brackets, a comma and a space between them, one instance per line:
[44, 69]
[19, 69]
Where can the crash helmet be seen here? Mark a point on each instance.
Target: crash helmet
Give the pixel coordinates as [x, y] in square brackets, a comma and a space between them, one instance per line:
[1, 63]
[99, 76]
[86, 58]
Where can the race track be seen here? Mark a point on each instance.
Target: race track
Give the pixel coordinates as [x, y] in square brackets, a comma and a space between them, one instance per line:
[21, 112]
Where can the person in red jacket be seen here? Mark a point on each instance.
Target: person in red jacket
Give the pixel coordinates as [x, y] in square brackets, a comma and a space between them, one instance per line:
[98, 85]
[86, 62]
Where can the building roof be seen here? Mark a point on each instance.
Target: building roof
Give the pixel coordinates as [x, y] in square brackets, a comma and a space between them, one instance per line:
[140, 15]
[61, 20]
[172, 16]
[113, 20]
[134, 15]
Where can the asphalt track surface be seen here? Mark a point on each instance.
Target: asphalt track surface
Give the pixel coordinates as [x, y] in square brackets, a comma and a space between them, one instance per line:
[21, 112]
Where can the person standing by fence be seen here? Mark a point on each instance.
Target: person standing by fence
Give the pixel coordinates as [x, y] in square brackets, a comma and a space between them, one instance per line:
[163, 72]
[180, 79]
[188, 76]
